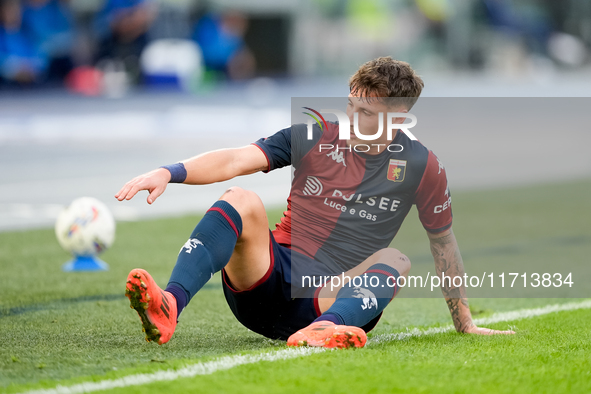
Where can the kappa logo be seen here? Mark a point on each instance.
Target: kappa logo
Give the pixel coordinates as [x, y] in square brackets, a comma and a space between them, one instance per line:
[313, 186]
[446, 204]
[396, 170]
[191, 244]
[337, 156]
[440, 165]
[369, 298]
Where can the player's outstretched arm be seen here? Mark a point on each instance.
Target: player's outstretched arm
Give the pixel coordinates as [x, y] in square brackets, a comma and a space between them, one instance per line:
[448, 260]
[211, 167]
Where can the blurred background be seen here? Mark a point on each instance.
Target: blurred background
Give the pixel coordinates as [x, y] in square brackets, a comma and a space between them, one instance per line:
[93, 92]
[107, 46]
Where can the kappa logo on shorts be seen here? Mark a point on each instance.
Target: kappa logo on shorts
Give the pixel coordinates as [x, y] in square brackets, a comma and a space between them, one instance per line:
[313, 186]
[369, 298]
[190, 245]
[396, 170]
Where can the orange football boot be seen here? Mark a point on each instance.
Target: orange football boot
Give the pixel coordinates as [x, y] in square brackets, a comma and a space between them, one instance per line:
[156, 307]
[329, 335]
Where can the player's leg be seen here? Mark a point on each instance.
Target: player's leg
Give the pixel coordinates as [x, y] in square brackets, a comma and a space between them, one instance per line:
[390, 261]
[251, 258]
[354, 300]
[233, 234]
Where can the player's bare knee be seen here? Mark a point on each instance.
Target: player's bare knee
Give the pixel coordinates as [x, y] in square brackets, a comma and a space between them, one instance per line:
[239, 198]
[246, 202]
[394, 258]
[233, 193]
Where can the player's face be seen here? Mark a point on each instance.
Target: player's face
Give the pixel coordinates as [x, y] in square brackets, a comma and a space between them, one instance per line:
[369, 112]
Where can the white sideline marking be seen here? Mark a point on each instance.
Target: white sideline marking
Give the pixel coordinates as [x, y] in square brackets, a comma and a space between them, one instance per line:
[205, 368]
[495, 318]
[228, 362]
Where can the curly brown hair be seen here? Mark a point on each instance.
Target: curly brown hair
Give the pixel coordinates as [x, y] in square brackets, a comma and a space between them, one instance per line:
[386, 78]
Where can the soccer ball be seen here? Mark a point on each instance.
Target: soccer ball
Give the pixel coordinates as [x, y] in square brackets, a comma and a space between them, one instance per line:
[85, 228]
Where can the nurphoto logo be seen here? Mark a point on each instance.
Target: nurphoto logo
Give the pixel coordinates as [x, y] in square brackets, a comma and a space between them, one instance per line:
[345, 124]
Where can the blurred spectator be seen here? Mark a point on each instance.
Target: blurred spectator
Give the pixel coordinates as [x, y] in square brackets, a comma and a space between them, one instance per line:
[50, 24]
[221, 38]
[530, 23]
[21, 59]
[121, 28]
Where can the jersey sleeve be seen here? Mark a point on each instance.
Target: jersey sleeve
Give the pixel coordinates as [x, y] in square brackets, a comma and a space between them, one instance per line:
[287, 146]
[277, 149]
[432, 197]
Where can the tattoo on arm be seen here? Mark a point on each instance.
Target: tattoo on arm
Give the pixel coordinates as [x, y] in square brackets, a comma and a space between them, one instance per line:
[461, 323]
[448, 262]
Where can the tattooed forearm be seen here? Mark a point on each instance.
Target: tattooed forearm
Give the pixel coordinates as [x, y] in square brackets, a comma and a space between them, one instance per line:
[448, 262]
[457, 308]
[444, 240]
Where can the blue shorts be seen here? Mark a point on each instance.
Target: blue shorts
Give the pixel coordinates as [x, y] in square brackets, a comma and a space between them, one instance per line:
[268, 307]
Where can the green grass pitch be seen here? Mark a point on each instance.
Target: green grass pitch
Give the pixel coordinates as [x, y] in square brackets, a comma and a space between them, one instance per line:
[66, 328]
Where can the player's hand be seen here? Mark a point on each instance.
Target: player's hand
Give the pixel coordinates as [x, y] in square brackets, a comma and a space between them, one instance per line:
[154, 182]
[486, 331]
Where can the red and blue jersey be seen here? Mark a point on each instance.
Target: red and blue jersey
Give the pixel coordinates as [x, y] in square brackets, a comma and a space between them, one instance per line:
[346, 205]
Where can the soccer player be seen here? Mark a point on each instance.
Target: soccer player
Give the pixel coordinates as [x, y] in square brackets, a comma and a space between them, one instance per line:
[348, 199]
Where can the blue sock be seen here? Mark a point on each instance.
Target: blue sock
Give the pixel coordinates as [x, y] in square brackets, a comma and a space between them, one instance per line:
[207, 251]
[358, 305]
